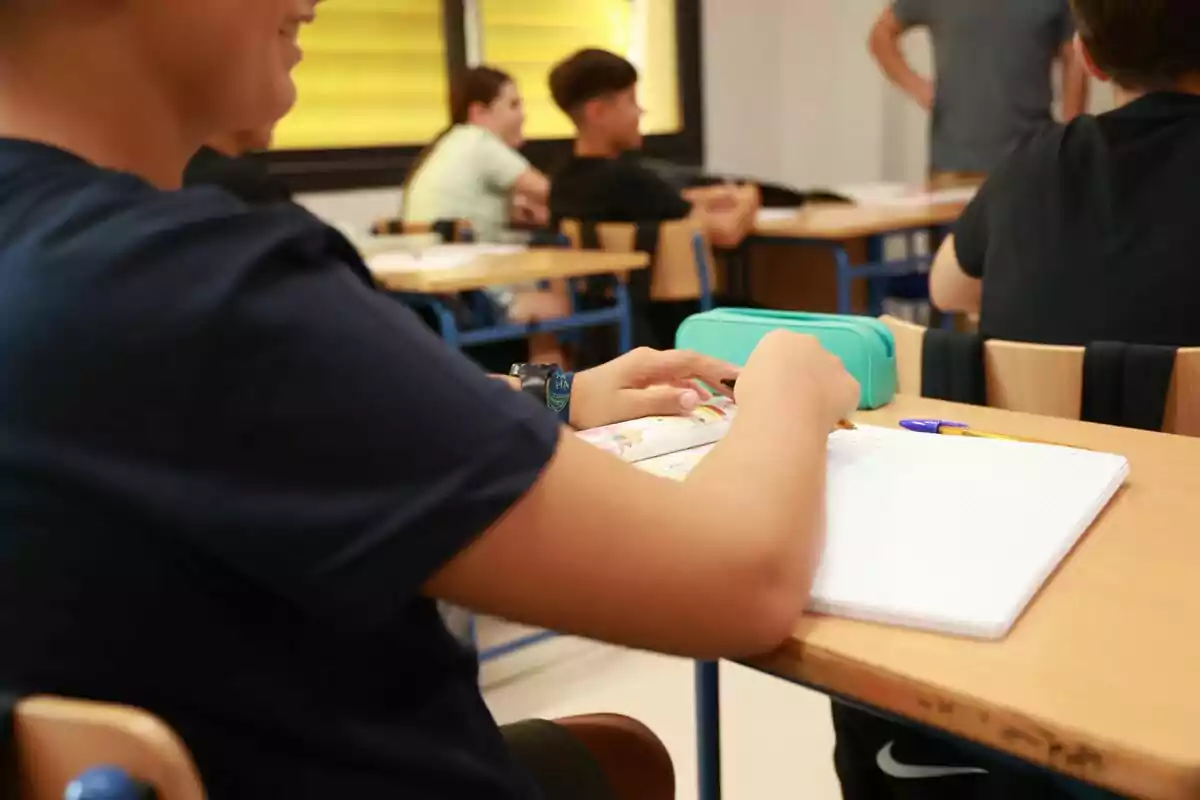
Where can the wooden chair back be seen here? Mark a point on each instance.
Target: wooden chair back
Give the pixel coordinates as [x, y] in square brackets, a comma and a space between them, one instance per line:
[1046, 379]
[674, 273]
[909, 338]
[57, 739]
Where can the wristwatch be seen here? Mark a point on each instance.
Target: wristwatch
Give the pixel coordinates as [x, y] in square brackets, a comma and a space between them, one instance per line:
[548, 384]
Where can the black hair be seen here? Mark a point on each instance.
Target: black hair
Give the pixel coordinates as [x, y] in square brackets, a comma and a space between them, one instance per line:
[588, 75]
[1142, 44]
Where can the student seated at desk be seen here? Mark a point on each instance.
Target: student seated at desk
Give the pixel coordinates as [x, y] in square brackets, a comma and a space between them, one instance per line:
[473, 171]
[228, 505]
[604, 181]
[1086, 232]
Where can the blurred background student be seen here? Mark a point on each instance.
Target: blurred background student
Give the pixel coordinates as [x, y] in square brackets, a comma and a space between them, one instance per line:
[474, 172]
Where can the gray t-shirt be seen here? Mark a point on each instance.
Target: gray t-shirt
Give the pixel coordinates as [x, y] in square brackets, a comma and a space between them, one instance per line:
[994, 60]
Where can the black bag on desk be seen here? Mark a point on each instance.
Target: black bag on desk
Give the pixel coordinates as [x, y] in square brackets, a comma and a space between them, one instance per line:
[774, 195]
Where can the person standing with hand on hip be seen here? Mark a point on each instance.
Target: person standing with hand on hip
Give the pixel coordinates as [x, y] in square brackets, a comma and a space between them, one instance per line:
[993, 84]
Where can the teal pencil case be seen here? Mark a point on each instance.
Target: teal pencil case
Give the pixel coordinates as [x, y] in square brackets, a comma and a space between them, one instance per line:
[863, 344]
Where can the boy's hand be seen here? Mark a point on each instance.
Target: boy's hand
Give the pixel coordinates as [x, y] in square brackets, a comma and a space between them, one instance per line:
[645, 383]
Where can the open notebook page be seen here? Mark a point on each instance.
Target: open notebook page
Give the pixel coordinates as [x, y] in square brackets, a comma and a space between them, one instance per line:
[648, 438]
[944, 533]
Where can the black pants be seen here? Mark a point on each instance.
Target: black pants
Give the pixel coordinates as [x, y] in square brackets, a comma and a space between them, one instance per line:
[560, 765]
[878, 759]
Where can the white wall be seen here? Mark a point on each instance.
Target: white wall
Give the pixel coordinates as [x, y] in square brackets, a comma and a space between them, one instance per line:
[357, 209]
[825, 115]
[790, 93]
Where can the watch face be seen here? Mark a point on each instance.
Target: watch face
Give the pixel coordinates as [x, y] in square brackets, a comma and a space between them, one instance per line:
[558, 392]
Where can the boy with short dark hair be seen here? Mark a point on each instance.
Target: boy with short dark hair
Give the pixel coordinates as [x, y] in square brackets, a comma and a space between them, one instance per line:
[604, 182]
[1086, 233]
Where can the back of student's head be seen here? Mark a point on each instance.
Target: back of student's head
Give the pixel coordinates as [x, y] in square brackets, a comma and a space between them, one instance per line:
[473, 88]
[481, 96]
[595, 75]
[1142, 44]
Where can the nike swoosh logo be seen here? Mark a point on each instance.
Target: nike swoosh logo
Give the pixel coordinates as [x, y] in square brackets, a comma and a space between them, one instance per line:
[908, 772]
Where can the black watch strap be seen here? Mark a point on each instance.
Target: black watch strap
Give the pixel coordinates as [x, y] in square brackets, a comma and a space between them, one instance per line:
[547, 384]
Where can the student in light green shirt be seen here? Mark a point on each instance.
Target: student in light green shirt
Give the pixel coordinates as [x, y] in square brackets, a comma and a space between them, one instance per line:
[471, 174]
[474, 172]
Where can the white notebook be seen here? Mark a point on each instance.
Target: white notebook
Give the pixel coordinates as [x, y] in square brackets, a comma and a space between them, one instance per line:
[940, 533]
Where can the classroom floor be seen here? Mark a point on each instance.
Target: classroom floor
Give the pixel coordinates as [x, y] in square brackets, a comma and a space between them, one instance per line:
[777, 738]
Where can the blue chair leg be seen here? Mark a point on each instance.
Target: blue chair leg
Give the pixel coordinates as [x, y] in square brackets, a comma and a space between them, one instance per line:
[700, 255]
[876, 287]
[844, 280]
[446, 322]
[708, 728]
[625, 328]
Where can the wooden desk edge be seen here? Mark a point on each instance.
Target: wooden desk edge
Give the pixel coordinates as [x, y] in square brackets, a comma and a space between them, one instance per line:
[1031, 740]
[801, 229]
[446, 282]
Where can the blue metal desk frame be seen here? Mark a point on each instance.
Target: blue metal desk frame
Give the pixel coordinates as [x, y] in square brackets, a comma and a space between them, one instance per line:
[876, 270]
[620, 315]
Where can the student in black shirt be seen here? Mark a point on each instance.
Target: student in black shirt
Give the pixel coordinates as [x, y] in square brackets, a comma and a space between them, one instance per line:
[234, 479]
[605, 181]
[1087, 232]
[231, 162]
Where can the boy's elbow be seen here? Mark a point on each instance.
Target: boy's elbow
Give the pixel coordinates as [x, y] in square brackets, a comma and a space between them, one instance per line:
[725, 234]
[881, 40]
[777, 612]
[778, 584]
[960, 295]
[939, 298]
[873, 42]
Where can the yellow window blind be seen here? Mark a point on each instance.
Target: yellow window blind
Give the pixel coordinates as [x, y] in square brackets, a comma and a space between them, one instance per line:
[656, 52]
[373, 75]
[526, 38]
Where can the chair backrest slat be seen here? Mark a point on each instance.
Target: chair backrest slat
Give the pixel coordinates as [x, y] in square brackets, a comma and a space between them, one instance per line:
[1034, 378]
[57, 739]
[910, 339]
[1046, 379]
[673, 274]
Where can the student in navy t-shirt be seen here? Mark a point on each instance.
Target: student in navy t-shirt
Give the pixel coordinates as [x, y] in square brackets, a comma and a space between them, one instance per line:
[234, 479]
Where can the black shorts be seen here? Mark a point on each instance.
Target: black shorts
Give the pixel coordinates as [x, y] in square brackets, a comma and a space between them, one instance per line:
[878, 759]
[561, 766]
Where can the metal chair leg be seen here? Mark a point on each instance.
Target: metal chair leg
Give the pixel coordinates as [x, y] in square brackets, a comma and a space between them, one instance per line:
[708, 728]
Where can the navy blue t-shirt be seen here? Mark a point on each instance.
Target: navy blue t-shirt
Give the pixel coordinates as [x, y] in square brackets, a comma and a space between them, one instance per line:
[227, 467]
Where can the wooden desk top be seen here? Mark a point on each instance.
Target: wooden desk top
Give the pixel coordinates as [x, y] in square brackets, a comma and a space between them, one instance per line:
[501, 270]
[837, 222]
[1101, 677]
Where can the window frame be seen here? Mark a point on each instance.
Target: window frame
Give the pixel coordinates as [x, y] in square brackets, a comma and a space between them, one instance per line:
[376, 167]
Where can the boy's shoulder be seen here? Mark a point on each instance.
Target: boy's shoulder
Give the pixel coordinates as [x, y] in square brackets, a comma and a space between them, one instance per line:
[72, 229]
[1041, 148]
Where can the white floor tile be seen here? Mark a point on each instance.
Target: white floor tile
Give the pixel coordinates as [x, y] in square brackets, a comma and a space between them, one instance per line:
[776, 738]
